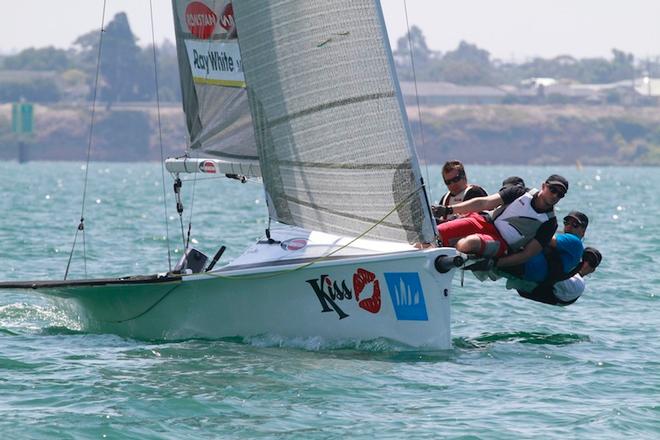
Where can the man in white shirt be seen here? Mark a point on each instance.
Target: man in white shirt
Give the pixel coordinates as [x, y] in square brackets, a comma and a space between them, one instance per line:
[567, 291]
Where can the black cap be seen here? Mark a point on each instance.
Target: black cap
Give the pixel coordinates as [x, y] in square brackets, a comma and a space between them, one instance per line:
[579, 217]
[557, 180]
[513, 181]
[592, 256]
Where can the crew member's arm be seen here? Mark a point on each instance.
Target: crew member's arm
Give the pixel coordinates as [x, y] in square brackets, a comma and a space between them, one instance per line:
[478, 204]
[544, 236]
[532, 248]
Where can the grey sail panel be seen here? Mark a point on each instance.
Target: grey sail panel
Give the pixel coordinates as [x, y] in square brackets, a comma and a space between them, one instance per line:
[212, 82]
[335, 149]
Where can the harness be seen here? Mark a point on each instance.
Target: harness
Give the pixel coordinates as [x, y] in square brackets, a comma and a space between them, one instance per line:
[518, 222]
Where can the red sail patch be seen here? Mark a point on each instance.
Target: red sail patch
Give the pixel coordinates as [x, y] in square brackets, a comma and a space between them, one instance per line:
[361, 279]
[201, 20]
[227, 18]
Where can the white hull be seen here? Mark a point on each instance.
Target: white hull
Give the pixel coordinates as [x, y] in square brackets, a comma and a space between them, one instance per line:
[307, 285]
[400, 296]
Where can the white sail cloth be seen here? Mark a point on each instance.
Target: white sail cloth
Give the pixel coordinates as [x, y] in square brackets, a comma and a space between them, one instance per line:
[325, 111]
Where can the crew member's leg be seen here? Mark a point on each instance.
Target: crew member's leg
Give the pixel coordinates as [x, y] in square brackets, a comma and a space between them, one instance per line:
[472, 235]
[486, 244]
[452, 231]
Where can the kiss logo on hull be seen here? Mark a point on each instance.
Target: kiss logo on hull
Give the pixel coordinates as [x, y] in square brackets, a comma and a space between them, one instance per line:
[329, 292]
[362, 279]
[294, 244]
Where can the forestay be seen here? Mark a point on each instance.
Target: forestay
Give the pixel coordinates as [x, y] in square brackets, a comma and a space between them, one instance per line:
[335, 149]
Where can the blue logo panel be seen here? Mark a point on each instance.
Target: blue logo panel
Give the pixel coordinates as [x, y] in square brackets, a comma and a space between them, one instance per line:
[407, 296]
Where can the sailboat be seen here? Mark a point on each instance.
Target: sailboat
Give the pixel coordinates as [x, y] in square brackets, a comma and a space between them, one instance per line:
[304, 96]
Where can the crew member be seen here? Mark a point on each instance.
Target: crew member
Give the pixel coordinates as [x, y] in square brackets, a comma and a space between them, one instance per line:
[567, 291]
[520, 224]
[458, 189]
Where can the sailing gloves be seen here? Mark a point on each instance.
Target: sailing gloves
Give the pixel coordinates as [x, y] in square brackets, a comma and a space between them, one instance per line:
[483, 265]
[440, 211]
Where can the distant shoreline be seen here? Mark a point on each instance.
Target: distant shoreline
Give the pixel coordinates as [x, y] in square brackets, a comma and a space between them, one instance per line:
[476, 134]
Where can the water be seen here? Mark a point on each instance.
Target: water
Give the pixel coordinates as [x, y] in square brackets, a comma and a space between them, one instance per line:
[518, 369]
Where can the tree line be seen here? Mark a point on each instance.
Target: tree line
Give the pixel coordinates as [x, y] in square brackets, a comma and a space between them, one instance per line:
[471, 65]
[127, 70]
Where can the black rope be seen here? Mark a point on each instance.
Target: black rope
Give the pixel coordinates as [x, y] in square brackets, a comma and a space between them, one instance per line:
[81, 225]
[147, 310]
[190, 217]
[160, 137]
[179, 206]
[75, 238]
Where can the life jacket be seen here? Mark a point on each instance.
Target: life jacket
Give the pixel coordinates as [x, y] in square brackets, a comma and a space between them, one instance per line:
[448, 199]
[518, 221]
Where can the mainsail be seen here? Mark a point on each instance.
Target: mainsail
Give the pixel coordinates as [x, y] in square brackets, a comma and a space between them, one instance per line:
[326, 115]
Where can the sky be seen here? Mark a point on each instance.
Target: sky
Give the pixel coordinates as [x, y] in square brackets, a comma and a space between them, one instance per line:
[511, 30]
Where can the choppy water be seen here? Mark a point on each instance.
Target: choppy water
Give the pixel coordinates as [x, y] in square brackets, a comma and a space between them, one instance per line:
[518, 369]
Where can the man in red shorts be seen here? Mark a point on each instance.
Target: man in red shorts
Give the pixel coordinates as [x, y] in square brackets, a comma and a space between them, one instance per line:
[521, 223]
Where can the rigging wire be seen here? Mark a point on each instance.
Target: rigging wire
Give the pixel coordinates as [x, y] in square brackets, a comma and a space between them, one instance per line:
[190, 217]
[160, 136]
[419, 110]
[81, 225]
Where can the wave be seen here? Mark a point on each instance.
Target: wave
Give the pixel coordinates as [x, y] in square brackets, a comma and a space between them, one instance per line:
[538, 338]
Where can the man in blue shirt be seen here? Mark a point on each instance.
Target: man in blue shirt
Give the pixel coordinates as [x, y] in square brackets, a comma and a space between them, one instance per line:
[567, 291]
[559, 258]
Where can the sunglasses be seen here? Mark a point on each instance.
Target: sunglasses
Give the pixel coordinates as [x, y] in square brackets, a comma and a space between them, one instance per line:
[572, 223]
[455, 179]
[558, 192]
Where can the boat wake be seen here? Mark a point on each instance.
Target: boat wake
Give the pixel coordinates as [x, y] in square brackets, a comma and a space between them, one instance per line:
[33, 317]
[378, 345]
[538, 338]
[58, 330]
